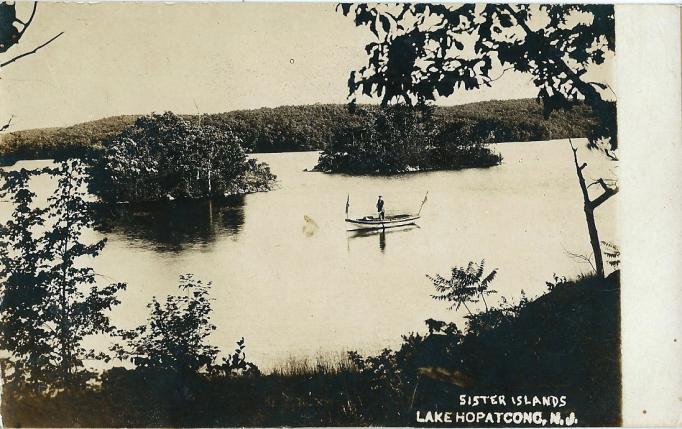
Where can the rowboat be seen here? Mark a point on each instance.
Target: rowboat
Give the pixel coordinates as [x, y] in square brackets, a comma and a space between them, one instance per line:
[375, 222]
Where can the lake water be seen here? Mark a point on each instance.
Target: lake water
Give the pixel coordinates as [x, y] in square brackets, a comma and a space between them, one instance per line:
[289, 278]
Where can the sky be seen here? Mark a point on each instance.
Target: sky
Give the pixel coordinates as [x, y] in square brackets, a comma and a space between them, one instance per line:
[138, 58]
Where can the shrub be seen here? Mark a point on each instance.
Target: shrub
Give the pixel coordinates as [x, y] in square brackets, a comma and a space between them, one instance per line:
[175, 338]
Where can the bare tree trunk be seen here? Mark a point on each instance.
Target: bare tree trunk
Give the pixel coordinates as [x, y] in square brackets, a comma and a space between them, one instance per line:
[589, 206]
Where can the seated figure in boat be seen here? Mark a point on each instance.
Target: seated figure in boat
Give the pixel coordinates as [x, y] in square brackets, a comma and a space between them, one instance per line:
[380, 207]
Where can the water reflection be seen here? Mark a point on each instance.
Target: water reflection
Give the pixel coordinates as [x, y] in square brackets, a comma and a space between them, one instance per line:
[381, 233]
[173, 226]
[310, 227]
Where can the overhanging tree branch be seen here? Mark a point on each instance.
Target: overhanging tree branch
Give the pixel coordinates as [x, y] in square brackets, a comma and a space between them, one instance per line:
[609, 154]
[30, 19]
[25, 54]
[500, 76]
[591, 95]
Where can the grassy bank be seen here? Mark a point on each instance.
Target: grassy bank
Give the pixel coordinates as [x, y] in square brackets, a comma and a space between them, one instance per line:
[565, 342]
[300, 128]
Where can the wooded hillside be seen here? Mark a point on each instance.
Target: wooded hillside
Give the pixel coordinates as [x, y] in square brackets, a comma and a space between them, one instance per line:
[298, 128]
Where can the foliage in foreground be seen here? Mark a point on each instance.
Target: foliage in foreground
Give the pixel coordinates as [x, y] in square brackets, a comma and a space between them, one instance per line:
[302, 128]
[565, 342]
[165, 156]
[175, 339]
[50, 299]
[465, 286]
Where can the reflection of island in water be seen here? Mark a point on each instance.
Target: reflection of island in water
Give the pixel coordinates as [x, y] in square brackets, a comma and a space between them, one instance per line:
[381, 233]
[173, 225]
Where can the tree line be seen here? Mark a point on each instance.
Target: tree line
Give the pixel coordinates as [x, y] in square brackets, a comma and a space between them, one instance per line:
[301, 128]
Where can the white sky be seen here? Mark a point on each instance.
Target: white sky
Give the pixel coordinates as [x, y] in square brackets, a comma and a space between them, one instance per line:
[137, 58]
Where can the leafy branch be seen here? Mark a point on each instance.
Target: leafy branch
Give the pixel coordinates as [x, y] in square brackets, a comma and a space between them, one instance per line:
[465, 286]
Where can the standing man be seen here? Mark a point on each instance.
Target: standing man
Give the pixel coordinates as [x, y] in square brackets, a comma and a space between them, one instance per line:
[380, 207]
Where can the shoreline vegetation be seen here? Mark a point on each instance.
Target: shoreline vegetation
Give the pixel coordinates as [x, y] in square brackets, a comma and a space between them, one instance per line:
[305, 127]
[566, 341]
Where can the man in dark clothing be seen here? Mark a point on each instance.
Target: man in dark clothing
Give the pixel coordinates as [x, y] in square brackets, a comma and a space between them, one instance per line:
[380, 207]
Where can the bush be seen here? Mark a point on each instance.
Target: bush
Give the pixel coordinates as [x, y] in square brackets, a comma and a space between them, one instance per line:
[461, 144]
[175, 339]
[387, 140]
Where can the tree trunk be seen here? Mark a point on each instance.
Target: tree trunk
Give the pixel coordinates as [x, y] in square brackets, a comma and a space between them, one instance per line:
[594, 240]
[589, 207]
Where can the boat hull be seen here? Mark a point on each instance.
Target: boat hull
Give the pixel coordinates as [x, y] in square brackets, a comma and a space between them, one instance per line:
[370, 224]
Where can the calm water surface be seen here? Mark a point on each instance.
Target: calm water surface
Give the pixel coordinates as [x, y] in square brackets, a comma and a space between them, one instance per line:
[290, 279]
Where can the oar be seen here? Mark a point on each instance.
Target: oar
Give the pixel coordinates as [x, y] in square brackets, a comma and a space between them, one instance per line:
[423, 202]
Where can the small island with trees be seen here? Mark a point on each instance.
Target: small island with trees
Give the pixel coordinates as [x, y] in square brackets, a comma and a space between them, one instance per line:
[165, 156]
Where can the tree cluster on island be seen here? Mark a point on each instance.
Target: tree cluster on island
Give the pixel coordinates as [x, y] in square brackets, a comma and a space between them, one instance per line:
[163, 156]
[398, 139]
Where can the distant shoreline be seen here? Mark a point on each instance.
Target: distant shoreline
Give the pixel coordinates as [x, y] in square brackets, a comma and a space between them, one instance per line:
[310, 170]
[297, 128]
